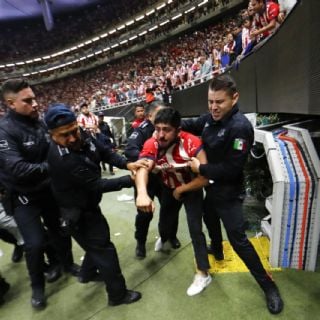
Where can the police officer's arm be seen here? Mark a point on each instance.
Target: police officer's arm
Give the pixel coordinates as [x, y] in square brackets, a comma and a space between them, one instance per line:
[89, 179]
[197, 183]
[112, 157]
[238, 147]
[195, 126]
[134, 145]
[143, 201]
[13, 161]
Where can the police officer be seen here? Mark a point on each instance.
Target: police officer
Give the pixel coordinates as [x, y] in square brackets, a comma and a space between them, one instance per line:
[74, 158]
[24, 175]
[132, 151]
[227, 137]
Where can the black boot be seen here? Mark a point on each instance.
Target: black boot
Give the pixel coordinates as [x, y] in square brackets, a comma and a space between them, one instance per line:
[38, 300]
[140, 250]
[130, 297]
[17, 253]
[273, 298]
[4, 288]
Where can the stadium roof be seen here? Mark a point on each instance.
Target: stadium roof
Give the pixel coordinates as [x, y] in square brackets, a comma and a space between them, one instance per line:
[25, 9]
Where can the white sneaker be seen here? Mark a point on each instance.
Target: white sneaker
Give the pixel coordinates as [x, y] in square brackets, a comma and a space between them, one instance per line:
[199, 283]
[158, 245]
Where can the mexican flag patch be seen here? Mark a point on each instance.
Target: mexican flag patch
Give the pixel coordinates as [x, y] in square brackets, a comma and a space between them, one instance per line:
[240, 144]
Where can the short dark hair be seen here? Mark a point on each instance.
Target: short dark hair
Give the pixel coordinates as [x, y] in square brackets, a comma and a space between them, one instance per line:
[13, 86]
[168, 116]
[139, 105]
[150, 108]
[223, 82]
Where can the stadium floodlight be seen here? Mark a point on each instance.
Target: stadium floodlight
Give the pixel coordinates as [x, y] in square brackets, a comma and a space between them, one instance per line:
[115, 45]
[189, 10]
[106, 49]
[95, 39]
[80, 45]
[153, 28]
[98, 52]
[123, 41]
[88, 42]
[73, 48]
[161, 6]
[139, 18]
[112, 31]
[20, 63]
[44, 70]
[121, 27]
[90, 55]
[66, 51]
[29, 61]
[164, 22]
[10, 65]
[46, 13]
[177, 16]
[82, 58]
[169, 1]
[46, 57]
[2, 66]
[143, 33]
[26, 75]
[35, 72]
[132, 38]
[202, 3]
[150, 12]
[75, 61]
[104, 35]
[129, 23]
[37, 59]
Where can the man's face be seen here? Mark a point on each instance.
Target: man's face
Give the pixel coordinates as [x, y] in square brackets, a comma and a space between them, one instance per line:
[24, 102]
[139, 113]
[85, 110]
[220, 103]
[166, 134]
[67, 136]
[100, 119]
[257, 6]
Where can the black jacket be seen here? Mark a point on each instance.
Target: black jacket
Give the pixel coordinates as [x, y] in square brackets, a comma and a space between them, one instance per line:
[76, 176]
[227, 144]
[136, 140]
[24, 144]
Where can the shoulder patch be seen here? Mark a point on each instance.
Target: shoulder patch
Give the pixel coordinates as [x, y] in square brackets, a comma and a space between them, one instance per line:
[240, 144]
[134, 135]
[143, 124]
[4, 145]
[63, 151]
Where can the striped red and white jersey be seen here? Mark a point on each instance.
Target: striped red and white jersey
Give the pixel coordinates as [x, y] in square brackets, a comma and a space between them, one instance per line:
[173, 163]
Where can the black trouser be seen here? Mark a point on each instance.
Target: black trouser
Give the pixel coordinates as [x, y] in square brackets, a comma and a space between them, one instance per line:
[29, 217]
[93, 235]
[143, 219]
[169, 214]
[223, 203]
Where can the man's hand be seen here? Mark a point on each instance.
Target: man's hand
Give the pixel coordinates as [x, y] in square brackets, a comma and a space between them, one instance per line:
[194, 164]
[144, 203]
[134, 166]
[177, 193]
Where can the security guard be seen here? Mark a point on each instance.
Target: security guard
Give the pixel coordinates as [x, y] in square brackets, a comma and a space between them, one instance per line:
[74, 158]
[227, 137]
[24, 144]
[135, 143]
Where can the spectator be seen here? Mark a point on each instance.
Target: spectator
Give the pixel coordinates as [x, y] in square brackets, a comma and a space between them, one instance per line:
[138, 116]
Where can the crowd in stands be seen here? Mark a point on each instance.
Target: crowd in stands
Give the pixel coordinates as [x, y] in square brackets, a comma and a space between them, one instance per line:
[169, 66]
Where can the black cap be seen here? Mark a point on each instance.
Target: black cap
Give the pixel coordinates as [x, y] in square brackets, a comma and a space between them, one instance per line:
[100, 114]
[59, 115]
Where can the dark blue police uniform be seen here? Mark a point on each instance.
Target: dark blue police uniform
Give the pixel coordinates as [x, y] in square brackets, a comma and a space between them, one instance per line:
[78, 188]
[227, 144]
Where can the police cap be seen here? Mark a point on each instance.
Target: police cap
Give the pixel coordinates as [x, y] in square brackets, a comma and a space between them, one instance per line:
[58, 115]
